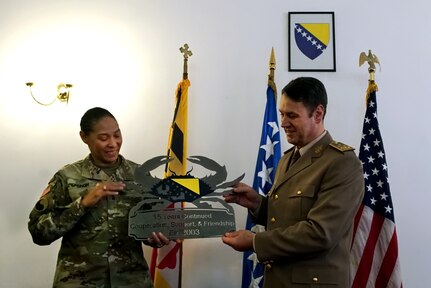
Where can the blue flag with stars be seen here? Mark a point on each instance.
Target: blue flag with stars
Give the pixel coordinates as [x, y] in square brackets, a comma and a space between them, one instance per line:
[267, 159]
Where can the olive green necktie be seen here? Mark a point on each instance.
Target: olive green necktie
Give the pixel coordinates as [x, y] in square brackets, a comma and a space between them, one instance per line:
[295, 156]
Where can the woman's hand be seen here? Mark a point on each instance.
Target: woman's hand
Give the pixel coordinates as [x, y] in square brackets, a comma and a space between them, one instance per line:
[101, 190]
[158, 240]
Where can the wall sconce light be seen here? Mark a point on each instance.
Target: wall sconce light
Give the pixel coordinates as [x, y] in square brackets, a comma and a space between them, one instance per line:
[63, 93]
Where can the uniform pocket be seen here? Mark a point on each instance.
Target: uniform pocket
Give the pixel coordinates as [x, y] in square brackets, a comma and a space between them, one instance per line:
[301, 201]
[317, 275]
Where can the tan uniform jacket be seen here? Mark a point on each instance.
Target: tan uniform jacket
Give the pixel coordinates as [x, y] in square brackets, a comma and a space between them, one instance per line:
[309, 216]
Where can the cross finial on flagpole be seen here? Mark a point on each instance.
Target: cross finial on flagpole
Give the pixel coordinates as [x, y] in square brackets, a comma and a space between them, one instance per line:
[186, 54]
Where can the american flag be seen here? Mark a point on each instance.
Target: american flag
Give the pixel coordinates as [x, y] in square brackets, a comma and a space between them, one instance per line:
[268, 155]
[374, 251]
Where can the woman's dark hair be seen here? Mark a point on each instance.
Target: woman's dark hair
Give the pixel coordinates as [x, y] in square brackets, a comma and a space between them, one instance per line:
[91, 117]
[310, 91]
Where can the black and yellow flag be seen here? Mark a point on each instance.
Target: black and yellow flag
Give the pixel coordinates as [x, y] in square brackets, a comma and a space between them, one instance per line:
[177, 143]
[166, 262]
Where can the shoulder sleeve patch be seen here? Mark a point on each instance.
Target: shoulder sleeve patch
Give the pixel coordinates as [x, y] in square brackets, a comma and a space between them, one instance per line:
[341, 146]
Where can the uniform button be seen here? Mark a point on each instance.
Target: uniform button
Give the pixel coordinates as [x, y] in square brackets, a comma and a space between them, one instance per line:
[276, 196]
[272, 219]
[315, 279]
[299, 192]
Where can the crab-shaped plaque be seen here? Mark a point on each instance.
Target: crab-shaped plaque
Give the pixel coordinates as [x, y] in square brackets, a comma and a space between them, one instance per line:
[206, 214]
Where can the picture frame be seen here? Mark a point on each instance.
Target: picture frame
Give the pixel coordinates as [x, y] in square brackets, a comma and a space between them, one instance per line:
[311, 41]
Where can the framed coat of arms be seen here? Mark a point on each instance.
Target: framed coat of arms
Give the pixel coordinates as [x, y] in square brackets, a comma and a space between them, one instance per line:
[311, 41]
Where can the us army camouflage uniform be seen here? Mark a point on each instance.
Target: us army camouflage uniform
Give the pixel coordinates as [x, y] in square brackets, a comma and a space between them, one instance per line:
[96, 250]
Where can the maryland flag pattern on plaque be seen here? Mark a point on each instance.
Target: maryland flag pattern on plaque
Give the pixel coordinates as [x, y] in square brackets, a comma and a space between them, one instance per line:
[312, 38]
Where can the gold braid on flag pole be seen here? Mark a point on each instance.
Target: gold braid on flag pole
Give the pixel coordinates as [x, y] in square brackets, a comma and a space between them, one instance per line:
[372, 60]
[271, 82]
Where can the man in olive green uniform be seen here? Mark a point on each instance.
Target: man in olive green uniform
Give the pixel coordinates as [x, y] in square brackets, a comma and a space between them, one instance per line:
[310, 209]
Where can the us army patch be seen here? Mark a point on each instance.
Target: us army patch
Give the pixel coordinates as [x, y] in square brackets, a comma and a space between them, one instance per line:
[341, 146]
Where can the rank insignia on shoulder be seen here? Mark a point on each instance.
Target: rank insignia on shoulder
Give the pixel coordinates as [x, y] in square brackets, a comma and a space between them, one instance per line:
[341, 146]
[318, 149]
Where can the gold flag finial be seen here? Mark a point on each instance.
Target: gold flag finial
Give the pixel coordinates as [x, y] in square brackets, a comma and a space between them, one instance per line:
[271, 65]
[371, 59]
[186, 53]
[271, 73]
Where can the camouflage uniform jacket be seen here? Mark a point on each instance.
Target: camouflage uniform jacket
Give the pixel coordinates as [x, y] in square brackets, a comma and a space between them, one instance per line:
[96, 250]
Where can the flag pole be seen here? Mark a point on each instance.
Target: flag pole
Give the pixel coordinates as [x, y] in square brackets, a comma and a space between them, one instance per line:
[372, 60]
[170, 272]
[186, 54]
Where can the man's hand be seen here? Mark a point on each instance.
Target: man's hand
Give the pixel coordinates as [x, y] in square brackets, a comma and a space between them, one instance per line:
[243, 195]
[241, 240]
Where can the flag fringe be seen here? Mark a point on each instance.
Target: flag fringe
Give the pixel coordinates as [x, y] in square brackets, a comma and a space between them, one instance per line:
[184, 84]
[372, 87]
[274, 88]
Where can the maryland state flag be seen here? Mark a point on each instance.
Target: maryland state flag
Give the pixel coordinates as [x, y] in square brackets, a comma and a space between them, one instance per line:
[166, 262]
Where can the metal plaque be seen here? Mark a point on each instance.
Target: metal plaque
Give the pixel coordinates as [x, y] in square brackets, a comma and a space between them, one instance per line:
[208, 215]
[181, 223]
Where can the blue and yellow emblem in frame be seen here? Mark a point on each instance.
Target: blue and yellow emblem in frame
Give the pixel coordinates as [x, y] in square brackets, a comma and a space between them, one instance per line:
[311, 41]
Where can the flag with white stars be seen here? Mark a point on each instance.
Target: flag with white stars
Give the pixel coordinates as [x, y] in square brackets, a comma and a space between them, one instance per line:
[267, 159]
[374, 251]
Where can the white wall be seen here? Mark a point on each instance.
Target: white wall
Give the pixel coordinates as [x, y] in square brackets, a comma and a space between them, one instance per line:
[123, 55]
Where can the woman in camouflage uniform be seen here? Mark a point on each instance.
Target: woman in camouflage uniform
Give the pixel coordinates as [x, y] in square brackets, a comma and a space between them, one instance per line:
[87, 204]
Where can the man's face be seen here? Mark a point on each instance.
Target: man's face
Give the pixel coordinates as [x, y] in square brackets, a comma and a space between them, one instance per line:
[300, 125]
[104, 142]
